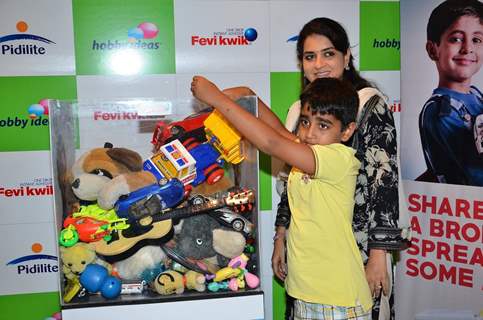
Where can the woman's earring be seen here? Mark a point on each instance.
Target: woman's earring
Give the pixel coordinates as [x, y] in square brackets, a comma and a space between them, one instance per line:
[346, 67]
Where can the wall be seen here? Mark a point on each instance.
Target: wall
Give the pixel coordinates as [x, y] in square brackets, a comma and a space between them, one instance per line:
[91, 49]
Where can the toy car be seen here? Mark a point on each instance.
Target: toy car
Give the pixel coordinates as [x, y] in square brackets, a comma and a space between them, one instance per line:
[208, 162]
[191, 126]
[150, 200]
[234, 220]
[172, 161]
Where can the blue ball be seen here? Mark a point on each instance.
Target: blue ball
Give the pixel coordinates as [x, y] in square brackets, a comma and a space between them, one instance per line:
[111, 288]
[251, 34]
[93, 277]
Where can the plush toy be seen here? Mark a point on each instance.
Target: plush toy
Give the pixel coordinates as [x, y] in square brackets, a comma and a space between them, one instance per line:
[76, 258]
[203, 237]
[237, 274]
[170, 282]
[137, 266]
[105, 174]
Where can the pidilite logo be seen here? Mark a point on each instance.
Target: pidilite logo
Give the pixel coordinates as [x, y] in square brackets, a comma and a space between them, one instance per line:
[139, 37]
[36, 263]
[229, 37]
[30, 44]
[37, 112]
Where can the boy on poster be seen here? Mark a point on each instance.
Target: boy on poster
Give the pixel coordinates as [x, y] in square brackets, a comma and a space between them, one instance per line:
[451, 122]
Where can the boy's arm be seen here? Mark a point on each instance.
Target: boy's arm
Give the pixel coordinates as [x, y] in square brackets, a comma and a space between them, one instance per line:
[264, 112]
[280, 144]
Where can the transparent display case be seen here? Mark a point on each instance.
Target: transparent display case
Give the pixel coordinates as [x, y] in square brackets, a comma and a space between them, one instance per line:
[156, 211]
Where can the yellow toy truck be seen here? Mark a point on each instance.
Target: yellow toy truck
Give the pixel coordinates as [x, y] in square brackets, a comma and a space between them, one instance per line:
[224, 137]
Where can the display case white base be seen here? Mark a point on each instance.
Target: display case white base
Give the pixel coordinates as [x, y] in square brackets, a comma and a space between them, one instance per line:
[248, 307]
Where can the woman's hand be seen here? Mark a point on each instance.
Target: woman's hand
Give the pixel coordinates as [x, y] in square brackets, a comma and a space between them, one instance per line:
[376, 272]
[205, 90]
[278, 257]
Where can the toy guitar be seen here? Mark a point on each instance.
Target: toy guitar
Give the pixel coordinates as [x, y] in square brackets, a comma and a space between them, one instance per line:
[159, 226]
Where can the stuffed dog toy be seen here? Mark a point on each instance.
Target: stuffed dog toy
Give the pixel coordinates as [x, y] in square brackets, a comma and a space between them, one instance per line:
[105, 174]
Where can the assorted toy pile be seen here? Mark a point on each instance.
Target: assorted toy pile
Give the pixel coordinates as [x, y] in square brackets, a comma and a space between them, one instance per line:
[165, 225]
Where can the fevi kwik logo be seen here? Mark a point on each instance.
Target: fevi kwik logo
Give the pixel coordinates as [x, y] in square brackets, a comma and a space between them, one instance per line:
[228, 37]
[24, 42]
[141, 37]
[38, 187]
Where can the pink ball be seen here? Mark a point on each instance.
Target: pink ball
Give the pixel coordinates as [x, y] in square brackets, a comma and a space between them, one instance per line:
[150, 30]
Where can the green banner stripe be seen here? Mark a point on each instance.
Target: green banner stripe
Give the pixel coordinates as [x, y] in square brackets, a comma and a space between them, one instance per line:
[34, 306]
[379, 36]
[136, 37]
[20, 128]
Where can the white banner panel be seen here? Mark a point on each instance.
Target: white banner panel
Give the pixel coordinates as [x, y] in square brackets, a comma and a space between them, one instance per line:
[28, 258]
[36, 38]
[125, 129]
[156, 86]
[258, 82]
[443, 267]
[288, 17]
[216, 36]
[25, 187]
[122, 123]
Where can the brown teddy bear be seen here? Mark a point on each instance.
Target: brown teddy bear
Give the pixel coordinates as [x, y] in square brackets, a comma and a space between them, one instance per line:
[105, 174]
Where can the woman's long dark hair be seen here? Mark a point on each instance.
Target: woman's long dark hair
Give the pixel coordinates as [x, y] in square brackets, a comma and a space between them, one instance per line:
[338, 36]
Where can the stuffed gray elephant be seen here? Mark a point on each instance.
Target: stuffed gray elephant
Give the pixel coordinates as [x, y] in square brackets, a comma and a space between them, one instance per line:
[203, 237]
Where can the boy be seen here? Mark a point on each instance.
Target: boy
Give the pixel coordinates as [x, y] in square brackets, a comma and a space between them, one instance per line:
[449, 121]
[326, 275]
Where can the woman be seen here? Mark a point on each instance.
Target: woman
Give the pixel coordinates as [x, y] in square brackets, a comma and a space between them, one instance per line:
[323, 50]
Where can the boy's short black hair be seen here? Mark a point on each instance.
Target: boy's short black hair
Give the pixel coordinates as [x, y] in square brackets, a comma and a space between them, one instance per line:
[332, 96]
[447, 13]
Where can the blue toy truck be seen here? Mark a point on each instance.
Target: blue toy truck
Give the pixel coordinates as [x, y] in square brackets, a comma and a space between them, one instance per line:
[209, 165]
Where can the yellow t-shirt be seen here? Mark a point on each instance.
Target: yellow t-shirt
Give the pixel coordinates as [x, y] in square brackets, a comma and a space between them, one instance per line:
[324, 263]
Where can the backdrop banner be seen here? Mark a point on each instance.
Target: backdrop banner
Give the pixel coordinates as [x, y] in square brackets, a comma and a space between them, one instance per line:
[439, 276]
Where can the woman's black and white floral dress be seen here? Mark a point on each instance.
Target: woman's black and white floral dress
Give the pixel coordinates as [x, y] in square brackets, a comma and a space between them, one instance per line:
[376, 211]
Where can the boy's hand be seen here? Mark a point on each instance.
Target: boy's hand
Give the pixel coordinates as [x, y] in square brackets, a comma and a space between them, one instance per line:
[236, 93]
[279, 266]
[205, 90]
[376, 272]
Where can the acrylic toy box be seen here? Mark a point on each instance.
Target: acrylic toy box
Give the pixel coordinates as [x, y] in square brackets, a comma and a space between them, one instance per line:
[156, 211]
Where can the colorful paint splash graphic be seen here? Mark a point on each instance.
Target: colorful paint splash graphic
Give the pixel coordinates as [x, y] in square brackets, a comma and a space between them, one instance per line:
[145, 30]
[38, 109]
